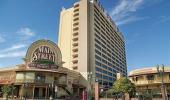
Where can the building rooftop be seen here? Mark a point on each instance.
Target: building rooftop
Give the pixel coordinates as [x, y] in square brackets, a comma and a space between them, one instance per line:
[150, 70]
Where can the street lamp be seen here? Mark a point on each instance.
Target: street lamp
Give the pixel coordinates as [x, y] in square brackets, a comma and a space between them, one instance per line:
[51, 87]
[89, 75]
[161, 74]
[26, 86]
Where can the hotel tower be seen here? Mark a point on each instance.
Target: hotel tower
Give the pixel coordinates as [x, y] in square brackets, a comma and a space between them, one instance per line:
[91, 43]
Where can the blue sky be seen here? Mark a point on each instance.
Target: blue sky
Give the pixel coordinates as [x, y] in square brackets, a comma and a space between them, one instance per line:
[145, 24]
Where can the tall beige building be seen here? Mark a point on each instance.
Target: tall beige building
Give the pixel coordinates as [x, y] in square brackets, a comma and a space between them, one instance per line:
[91, 43]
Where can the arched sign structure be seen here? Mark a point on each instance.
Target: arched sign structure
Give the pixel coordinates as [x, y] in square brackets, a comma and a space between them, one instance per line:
[44, 54]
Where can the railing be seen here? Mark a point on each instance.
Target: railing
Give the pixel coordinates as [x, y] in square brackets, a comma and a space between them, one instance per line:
[24, 80]
[60, 82]
[40, 81]
[150, 81]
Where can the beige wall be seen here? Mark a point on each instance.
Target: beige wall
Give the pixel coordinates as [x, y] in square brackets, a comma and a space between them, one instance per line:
[83, 39]
[65, 37]
[64, 41]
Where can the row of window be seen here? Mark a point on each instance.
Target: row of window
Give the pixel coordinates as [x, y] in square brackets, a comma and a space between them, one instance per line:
[105, 22]
[104, 77]
[110, 49]
[114, 70]
[114, 36]
[108, 61]
[109, 46]
[113, 73]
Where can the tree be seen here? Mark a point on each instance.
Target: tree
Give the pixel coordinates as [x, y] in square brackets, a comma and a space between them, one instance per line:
[122, 86]
[7, 89]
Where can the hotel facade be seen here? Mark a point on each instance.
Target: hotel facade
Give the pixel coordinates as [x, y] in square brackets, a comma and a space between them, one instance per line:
[150, 80]
[91, 43]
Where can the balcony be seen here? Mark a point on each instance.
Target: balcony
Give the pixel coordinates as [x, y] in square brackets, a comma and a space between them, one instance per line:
[75, 44]
[75, 49]
[76, 5]
[76, 21]
[75, 39]
[76, 18]
[75, 34]
[76, 24]
[75, 61]
[76, 9]
[76, 14]
[75, 28]
[75, 55]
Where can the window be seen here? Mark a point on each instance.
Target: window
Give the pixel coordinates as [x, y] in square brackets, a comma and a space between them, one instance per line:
[135, 78]
[40, 78]
[98, 52]
[109, 68]
[105, 77]
[98, 63]
[109, 73]
[98, 69]
[105, 72]
[97, 57]
[150, 77]
[98, 47]
[104, 66]
[104, 61]
[98, 75]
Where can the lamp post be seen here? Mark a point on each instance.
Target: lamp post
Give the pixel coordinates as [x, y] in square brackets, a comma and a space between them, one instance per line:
[26, 86]
[161, 74]
[89, 75]
[51, 87]
[90, 86]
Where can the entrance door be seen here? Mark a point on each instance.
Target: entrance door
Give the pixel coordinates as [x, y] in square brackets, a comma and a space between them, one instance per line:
[36, 92]
[43, 92]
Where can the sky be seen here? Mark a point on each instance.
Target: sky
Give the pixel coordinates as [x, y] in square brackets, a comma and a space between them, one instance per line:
[144, 23]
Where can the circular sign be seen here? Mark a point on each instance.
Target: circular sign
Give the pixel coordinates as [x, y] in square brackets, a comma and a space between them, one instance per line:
[44, 54]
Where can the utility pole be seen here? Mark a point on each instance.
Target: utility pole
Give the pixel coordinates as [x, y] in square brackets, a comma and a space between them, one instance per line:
[161, 74]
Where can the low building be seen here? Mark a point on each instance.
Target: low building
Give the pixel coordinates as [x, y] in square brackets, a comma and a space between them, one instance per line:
[150, 80]
[42, 74]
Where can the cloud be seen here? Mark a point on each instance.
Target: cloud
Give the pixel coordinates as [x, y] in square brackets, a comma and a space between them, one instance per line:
[2, 39]
[13, 48]
[13, 51]
[122, 13]
[18, 46]
[26, 32]
[12, 54]
[130, 19]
